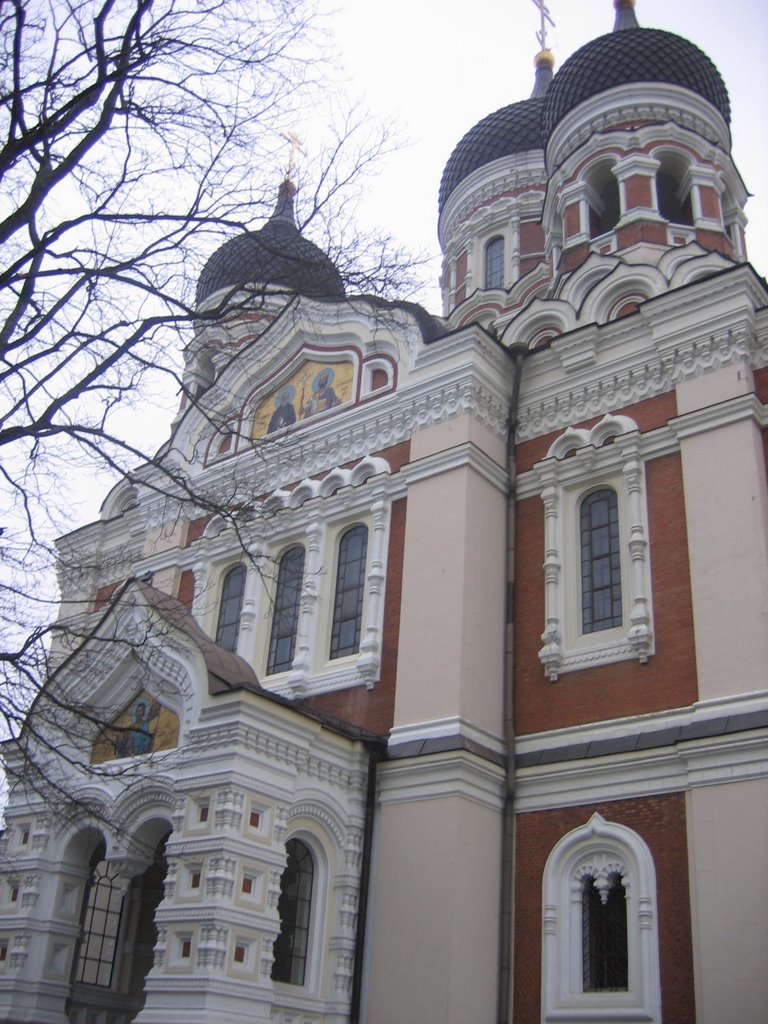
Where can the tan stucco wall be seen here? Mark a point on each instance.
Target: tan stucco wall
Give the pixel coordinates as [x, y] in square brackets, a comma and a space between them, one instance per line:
[450, 660]
[728, 840]
[726, 503]
[434, 943]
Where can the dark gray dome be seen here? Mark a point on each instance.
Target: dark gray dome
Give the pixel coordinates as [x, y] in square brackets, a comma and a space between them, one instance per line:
[633, 55]
[513, 129]
[276, 255]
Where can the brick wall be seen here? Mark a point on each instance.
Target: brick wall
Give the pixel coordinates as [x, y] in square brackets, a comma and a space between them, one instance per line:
[625, 688]
[661, 821]
[374, 709]
[648, 415]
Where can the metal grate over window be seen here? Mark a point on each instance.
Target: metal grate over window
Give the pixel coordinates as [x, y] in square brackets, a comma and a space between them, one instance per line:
[285, 619]
[605, 956]
[232, 592]
[600, 562]
[350, 591]
[294, 907]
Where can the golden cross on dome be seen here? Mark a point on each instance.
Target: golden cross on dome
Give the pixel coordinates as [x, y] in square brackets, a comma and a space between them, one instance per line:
[296, 147]
[541, 35]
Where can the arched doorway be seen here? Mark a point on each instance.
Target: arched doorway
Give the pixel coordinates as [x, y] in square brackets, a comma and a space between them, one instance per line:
[118, 934]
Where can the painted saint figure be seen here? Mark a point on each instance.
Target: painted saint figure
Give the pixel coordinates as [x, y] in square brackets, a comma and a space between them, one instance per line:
[323, 396]
[136, 738]
[284, 414]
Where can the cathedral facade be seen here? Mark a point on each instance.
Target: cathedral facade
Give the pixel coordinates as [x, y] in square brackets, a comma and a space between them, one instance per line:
[449, 702]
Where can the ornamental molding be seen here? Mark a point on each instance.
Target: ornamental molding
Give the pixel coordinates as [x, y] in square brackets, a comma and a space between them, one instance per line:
[626, 377]
[462, 456]
[457, 775]
[515, 173]
[629, 103]
[267, 744]
[677, 766]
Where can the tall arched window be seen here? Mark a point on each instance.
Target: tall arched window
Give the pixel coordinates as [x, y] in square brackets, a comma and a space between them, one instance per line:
[231, 605]
[600, 562]
[604, 951]
[285, 619]
[600, 952]
[350, 591]
[294, 907]
[494, 263]
[103, 908]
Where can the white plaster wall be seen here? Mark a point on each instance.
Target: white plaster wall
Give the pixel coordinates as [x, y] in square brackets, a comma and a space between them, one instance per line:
[728, 840]
[726, 502]
[434, 932]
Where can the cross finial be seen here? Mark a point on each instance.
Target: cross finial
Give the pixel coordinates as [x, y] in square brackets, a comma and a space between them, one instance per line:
[541, 35]
[296, 147]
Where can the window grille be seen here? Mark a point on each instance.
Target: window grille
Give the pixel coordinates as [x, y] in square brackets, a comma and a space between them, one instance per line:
[350, 590]
[600, 562]
[232, 592]
[294, 907]
[605, 956]
[285, 619]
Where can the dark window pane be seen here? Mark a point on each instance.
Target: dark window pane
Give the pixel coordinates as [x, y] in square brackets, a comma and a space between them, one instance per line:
[350, 590]
[229, 611]
[601, 606]
[494, 263]
[294, 908]
[605, 955]
[285, 620]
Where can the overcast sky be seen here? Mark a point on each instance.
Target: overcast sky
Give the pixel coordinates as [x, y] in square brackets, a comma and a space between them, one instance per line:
[439, 66]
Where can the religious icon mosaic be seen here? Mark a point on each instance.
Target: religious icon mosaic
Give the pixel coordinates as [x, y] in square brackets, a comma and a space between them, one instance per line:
[142, 728]
[313, 389]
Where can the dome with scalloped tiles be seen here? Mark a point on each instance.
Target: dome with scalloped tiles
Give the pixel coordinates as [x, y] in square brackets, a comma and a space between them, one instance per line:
[633, 54]
[275, 256]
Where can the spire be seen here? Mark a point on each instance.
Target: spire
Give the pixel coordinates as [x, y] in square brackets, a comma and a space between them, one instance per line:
[544, 62]
[625, 15]
[284, 212]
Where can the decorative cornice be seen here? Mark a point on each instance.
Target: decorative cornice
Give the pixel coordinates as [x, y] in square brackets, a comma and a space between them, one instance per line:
[723, 741]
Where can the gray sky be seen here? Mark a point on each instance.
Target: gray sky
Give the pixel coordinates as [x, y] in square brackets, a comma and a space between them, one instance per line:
[438, 67]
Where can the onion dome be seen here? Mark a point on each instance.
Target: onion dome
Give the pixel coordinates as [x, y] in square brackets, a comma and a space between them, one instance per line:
[512, 129]
[632, 54]
[276, 255]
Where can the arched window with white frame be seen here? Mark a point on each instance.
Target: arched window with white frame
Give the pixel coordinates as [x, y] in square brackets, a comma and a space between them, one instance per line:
[349, 593]
[600, 949]
[291, 948]
[285, 616]
[230, 607]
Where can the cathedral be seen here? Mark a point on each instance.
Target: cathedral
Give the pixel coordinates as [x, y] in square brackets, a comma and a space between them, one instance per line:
[421, 677]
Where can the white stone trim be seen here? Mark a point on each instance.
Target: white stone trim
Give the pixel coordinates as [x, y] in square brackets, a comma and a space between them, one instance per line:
[456, 774]
[671, 768]
[599, 847]
[444, 727]
[563, 483]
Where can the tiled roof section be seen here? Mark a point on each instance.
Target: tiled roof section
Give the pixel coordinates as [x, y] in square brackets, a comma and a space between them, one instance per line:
[513, 129]
[275, 255]
[633, 55]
